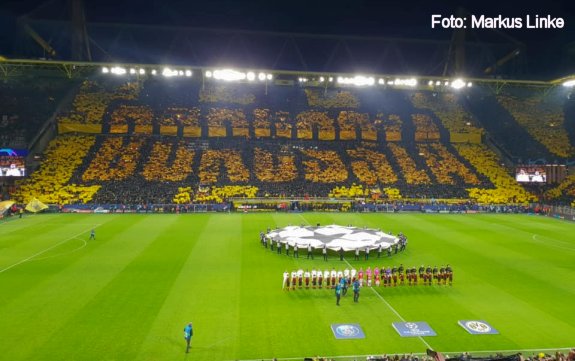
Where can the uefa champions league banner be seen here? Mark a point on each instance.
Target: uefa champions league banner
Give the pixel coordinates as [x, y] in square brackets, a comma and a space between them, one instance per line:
[476, 327]
[413, 329]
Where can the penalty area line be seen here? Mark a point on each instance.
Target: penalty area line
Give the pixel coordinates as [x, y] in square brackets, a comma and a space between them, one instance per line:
[45, 250]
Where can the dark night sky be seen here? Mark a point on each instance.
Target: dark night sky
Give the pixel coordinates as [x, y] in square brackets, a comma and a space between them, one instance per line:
[407, 18]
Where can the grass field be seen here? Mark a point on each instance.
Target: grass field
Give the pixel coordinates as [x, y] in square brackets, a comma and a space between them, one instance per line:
[128, 294]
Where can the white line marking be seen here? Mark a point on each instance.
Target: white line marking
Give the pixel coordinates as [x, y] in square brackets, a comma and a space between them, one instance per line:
[46, 250]
[85, 243]
[381, 298]
[548, 241]
[391, 308]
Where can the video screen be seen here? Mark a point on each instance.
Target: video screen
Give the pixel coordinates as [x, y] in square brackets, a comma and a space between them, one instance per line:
[12, 163]
[530, 174]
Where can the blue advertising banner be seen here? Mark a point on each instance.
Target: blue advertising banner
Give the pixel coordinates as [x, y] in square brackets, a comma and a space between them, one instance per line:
[476, 327]
[413, 329]
[347, 330]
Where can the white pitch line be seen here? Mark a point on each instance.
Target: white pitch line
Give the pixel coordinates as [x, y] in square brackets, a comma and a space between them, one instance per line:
[44, 251]
[380, 297]
[392, 309]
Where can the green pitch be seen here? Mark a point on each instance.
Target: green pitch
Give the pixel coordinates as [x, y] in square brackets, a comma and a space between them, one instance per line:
[128, 294]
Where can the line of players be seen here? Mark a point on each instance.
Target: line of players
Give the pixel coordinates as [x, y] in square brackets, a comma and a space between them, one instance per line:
[389, 277]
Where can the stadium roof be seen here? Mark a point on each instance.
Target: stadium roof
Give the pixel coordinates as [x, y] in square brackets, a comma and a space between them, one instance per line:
[344, 36]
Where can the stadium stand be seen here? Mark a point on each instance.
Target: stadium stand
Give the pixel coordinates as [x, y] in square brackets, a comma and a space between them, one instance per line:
[155, 141]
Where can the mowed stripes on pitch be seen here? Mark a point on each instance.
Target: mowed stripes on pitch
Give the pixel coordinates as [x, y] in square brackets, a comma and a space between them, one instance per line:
[128, 294]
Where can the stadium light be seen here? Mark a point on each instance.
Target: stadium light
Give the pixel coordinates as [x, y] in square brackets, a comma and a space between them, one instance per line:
[569, 83]
[229, 75]
[269, 76]
[381, 81]
[406, 82]
[118, 70]
[132, 71]
[142, 71]
[208, 74]
[430, 83]
[167, 72]
[330, 79]
[261, 76]
[105, 70]
[154, 72]
[251, 76]
[438, 83]
[188, 73]
[321, 79]
[457, 84]
[469, 84]
[358, 80]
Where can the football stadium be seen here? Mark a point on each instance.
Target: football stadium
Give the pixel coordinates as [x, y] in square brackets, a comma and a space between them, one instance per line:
[201, 190]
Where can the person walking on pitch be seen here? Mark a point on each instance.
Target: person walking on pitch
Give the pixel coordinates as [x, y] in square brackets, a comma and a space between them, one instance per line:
[188, 333]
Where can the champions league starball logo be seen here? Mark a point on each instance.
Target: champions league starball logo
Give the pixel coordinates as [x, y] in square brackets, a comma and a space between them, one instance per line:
[347, 330]
[478, 326]
[411, 325]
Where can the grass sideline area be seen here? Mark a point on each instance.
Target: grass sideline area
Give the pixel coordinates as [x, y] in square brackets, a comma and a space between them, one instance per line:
[128, 294]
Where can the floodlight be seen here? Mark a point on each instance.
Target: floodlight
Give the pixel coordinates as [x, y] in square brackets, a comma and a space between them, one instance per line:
[321, 78]
[446, 83]
[438, 83]
[457, 84]
[430, 83]
[229, 75]
[569, 83]
[118, 70]
[469, 85]
[251, 76]
[261, 76]
[208, 74]
[142, 71]
[105, 70]
[381, 81]
[132, 71]
[154, 72]
[269, 77]
[181, 73]
[167, 72]
[188, 73]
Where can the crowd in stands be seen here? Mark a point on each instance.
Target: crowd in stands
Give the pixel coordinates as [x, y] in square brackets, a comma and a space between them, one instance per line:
[338, 99]
[226, 94]
[50, 184]
[408, 167]
[444, 164]
[425, 128]
[324, 166]
[371, 167]
[304, 162]
[280, 170]
[139, 114]
[451, 114]
[93, 98]
[543, 120]
[115, 160]
[210, 170]
[308, 119]
[506, 190]
[162, 166]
